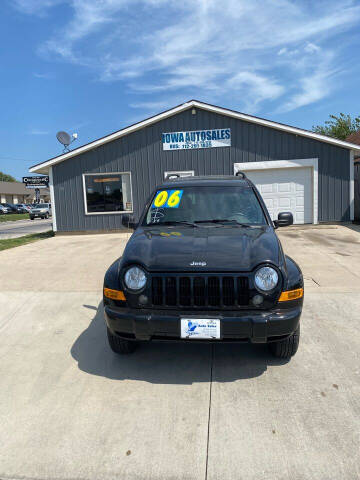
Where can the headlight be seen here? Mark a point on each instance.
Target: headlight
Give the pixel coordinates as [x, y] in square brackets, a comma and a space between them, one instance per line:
[135, 278]
[266, 279]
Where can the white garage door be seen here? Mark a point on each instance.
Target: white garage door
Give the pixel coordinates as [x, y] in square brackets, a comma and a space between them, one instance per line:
[285, 190]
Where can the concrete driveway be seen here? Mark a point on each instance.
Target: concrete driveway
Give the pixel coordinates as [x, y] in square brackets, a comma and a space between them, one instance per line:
[70, 409]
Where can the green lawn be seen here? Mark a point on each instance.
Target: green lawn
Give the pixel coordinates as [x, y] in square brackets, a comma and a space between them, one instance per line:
[17, 242]
[11, 217]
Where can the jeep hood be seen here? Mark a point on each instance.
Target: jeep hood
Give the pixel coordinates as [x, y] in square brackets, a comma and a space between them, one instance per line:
[206, 248]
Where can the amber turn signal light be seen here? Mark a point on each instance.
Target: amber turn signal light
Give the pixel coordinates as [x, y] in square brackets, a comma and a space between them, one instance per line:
[114, 294]
[291, 295]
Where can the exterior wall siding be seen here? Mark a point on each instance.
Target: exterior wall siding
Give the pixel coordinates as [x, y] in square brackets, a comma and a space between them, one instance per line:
[357, 191]
[141, 153]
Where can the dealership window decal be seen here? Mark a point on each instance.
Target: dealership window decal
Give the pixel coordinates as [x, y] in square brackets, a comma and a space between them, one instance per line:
[107, 193]
[167, 199]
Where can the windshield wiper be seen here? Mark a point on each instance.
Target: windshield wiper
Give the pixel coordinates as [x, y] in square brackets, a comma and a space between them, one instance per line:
[223, 220]
[179, 222]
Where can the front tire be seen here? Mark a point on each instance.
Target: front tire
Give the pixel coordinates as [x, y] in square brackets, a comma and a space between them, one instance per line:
[119, 345]
[32, 218]
[286, 348]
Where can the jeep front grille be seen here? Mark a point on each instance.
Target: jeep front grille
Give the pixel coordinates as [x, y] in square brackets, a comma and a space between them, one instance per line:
[200, 291]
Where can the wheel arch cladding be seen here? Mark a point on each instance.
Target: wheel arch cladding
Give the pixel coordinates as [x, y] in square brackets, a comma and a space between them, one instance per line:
[294, 275]
[111, 279]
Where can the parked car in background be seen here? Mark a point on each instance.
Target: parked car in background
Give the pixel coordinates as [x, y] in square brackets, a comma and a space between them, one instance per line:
[19, 208]
[11, 207]
[3, 210]
[41, 210]
[23, 208]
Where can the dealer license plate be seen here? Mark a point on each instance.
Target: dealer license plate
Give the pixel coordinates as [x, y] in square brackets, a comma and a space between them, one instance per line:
[200, 328]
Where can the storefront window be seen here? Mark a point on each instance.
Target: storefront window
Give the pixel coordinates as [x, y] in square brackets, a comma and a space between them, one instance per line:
[108, 192]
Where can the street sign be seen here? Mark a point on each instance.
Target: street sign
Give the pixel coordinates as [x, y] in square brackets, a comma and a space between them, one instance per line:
[36, 182]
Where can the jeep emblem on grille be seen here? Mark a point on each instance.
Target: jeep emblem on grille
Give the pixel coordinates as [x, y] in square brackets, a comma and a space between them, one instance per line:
[198, 264]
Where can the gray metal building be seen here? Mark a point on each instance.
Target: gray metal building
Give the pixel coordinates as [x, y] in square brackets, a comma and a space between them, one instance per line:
[296, 170]
[357, 190]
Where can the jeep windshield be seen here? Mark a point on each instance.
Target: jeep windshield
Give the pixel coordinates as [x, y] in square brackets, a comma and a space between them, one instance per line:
[231, 205]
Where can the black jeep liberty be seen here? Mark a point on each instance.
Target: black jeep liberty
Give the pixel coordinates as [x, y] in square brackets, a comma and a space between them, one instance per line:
[205, 264]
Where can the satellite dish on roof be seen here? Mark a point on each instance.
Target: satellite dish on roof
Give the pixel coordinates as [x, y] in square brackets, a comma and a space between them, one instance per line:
[65, 139]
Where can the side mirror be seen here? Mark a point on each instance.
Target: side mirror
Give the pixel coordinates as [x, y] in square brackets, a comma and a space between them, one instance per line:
[128, 221]
[284, 219]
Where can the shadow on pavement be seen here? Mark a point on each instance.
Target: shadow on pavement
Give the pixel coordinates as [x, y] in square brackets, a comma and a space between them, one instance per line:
[355, 227]
[168, 363]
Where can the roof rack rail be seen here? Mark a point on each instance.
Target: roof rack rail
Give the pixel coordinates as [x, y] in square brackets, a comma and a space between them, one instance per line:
[169, 176]
[240, 174]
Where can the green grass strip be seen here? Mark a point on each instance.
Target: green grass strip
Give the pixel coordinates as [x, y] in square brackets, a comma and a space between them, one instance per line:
[17, 242]
[12, 217]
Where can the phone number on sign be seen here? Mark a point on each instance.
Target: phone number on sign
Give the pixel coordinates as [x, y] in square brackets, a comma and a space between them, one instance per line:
[191, 145]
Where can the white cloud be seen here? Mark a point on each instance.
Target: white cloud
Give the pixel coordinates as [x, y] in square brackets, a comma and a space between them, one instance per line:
[38, 7]
[35, 131]
[152, 105]
[311, 48]
[315, 74]
[249, 52]
[311, 88]
[255, 87]
[44, 76]
[80, 125]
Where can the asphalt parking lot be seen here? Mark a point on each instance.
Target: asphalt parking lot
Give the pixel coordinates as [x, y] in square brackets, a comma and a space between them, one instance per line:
[19, 228]
[71, 409]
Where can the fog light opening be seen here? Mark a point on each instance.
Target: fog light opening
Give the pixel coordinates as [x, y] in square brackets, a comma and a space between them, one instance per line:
[257, 300]
[143, 299]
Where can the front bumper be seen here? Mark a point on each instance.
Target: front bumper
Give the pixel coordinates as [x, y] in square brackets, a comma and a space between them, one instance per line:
[253, 326]
[37, 214]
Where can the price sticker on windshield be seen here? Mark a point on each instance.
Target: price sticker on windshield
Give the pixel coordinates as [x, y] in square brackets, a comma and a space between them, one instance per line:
[167, 199]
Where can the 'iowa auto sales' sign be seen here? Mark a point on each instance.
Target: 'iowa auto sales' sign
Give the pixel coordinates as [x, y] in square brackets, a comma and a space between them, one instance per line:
[220, 137]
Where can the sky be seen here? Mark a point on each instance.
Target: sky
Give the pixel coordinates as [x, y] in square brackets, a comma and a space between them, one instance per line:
[95, 66]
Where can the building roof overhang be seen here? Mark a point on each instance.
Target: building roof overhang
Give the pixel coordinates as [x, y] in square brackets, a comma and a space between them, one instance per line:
[43, 167]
